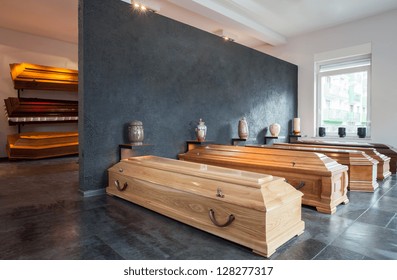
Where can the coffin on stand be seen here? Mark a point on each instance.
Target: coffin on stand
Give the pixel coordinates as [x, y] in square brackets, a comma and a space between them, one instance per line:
[384, 149]
[383, 170]
[255, 210]
[322, 181]
[362, 168]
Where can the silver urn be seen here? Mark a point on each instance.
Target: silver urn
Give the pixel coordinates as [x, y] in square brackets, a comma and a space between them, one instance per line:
[135, 132]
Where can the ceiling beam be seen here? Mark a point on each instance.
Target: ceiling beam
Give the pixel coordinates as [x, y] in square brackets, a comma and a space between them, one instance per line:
[229, 14]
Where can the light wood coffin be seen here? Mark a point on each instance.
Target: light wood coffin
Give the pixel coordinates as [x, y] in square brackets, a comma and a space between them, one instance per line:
[362, 168]
[322, 180]
[384, 149]
[37, 145]
[255, 210]
[383, 170]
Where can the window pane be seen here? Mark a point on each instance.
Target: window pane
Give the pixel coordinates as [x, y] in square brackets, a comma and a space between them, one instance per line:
[344, 101]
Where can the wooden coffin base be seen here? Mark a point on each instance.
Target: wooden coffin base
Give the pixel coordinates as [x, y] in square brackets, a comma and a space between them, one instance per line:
[37, 145]
[258, 211]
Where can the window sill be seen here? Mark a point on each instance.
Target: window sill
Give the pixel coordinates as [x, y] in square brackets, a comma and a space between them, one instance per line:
[341, 139]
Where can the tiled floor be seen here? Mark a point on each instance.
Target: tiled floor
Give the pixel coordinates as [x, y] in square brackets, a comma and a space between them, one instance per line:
[43, 216]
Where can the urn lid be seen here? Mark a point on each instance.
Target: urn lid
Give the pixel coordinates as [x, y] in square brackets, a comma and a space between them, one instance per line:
[135, 123]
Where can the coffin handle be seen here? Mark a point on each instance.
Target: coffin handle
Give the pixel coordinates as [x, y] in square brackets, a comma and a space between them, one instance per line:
[299, 186]
[215, 222]
[117, 183]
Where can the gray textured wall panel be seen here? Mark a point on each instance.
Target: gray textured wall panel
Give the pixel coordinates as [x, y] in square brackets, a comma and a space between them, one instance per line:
[168, 75]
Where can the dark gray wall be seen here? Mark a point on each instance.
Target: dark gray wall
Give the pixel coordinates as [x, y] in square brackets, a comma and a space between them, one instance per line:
[167, 74]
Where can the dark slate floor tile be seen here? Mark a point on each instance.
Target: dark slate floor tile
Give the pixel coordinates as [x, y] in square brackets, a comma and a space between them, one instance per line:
[324, 227]
[376, 217]
[27, 205]
[392, 192]
[392, 223]
[86, 249]
[335, 253]
[77, 203]
[371, 241]
[149, 229]
[305, 250]
[387, 203]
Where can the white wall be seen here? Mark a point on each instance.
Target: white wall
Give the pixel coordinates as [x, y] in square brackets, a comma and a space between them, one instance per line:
[381, 32]
[16, 47]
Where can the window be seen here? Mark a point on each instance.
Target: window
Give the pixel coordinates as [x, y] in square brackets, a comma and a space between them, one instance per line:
[343, 94]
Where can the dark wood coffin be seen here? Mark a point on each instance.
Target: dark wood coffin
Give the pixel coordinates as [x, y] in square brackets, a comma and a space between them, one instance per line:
[322, 180]
[36, 110]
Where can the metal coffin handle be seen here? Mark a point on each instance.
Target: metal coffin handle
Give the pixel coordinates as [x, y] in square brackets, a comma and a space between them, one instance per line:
[117, 183]
[215, 222]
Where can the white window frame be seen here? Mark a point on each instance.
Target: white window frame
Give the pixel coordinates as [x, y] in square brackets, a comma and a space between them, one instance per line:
[345, 65]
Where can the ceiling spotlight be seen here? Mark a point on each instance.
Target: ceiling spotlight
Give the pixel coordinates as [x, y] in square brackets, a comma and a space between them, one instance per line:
[141, 7]
[227, 36]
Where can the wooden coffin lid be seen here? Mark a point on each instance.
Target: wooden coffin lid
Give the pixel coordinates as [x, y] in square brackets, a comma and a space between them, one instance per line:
[276, 158]
[355, 157]
[314, 148]
[39, 77]
[336, 143]
[370, 151]
[382, 148]
[246, 178]
[243, 188]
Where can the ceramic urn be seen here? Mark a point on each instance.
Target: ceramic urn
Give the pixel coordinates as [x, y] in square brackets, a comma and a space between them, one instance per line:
[201, 131]
[243, 128]
[274, 129]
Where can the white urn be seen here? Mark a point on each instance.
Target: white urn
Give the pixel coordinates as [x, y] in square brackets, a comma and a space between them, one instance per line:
[274, 129]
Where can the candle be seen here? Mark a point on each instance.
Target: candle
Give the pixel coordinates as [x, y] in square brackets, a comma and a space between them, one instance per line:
[297, 126]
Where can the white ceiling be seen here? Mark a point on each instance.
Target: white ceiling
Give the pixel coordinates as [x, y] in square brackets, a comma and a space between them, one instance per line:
[249, 22]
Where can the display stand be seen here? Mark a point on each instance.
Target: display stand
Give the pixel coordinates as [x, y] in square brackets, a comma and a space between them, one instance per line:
[130, 149]
[191, 144]
[293, 137]
[235, 141]
[272, 138]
